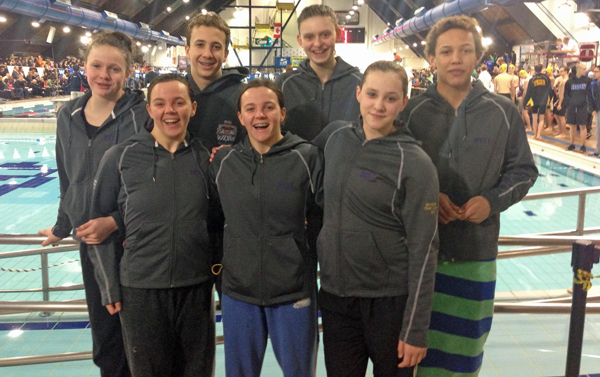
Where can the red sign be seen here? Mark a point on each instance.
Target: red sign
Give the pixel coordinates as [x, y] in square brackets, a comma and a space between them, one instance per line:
[277, 30]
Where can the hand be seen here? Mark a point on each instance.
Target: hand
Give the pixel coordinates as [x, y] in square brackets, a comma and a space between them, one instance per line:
[475, 210]
[215, 150]
[96, 230]
[594, 113]
[114, 308]
[51, 239]
[559, 107]
[411, 355]
[447, 211]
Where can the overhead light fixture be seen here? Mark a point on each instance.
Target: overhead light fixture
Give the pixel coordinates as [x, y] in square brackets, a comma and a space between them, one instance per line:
[406, 46]
[186, 1]
[360, 2]
[478, 29]
[153, 51]
[35, 24]
[160, 48]
[138, 43]
[348, 16]
[423, 43]
[2, 19]
[351, 12]
[486, 41]
[394, 50]
[187, 17]
[415, 44]
[88, 34]
[144, 49]
[67, 29]
[355, 7]
[204, 11]
[168, 9]
[400, 48]
[85, 40]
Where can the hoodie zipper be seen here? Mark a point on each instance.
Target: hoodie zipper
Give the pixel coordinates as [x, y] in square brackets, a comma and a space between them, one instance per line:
[260, 224]
[340, 210]
[175, 212]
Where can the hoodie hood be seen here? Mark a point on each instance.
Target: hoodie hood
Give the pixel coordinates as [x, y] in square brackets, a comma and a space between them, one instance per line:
[288, 142]
[474, 95]
[341, 69]
[128, 100]
[230, 77]
[401, 134]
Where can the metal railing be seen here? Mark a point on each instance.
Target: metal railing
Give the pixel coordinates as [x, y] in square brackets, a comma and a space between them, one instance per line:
[541, 244]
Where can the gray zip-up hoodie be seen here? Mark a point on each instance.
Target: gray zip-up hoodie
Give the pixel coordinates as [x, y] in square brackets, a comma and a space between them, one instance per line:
[479, 149]
[78, 156]
[311, 105]
[216, 121]
[266, 255]
[379, 235]
[163, 198]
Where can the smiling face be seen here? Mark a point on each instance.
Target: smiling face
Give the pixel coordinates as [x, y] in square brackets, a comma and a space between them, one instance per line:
[206, 51]
[381, 100]
[171, 109]
[261, 115]
[106, 71]
[455, 58]
[317, 37]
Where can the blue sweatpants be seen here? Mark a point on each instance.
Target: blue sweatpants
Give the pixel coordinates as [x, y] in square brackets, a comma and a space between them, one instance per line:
[293, 329]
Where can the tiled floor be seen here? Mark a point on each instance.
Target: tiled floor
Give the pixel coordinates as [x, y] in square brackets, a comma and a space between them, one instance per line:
[519, 344]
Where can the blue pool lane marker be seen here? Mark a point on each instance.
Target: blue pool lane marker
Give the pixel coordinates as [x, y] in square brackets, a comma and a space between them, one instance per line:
[530, 213]
[35, 180]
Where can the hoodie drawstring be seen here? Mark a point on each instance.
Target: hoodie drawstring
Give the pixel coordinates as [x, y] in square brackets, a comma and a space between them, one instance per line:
[200, 167]
[254, 168]
[155, 161]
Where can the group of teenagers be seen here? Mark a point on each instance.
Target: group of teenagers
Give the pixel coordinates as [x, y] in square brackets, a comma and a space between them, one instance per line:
[397, 201]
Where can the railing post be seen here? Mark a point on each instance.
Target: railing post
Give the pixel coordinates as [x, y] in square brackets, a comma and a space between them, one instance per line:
[583, 258]
[45, 282]
[581, 215]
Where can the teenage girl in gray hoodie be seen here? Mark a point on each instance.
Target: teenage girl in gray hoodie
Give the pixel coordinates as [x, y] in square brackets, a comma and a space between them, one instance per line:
[266, 184]
[87, 127]
[378, 245]
[160, 282]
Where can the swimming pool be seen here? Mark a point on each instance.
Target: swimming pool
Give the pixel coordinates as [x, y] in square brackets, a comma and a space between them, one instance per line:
[29, 194]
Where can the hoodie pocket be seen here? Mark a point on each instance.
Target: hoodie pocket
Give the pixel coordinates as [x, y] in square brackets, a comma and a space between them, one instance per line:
[148, 257]
[193, 251]
[283, 267]
[241, 266]
[76, 203]
[327, 251]
[367, 268]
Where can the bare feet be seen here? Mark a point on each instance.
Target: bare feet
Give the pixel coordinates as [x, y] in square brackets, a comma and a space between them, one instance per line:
[560, 135]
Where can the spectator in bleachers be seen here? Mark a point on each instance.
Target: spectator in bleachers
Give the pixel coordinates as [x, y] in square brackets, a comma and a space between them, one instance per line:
[21, 88]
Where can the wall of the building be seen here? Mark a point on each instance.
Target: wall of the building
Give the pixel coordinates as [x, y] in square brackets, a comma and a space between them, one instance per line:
[576, 23]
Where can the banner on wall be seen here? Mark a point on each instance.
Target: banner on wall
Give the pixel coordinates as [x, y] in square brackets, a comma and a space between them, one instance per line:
[25, 71]
[282, 62]
[11, 68]
[182, 62]
[61, 72]
[277, 30]
[296, 60]
[40, 71]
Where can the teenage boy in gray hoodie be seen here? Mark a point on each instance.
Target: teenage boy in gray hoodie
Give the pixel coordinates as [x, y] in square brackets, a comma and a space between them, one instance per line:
[215, 89]
[322, 89]
[477, 142]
